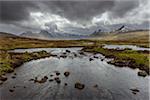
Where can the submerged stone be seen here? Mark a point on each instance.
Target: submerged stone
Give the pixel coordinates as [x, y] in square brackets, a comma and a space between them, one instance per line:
[1, 82]
[13, 77]
[65, 84]
[51, 80]
[135, 91]
[95, 86]
[11, 90]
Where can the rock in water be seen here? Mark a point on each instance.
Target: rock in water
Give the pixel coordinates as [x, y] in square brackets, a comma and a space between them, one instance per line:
[67, 73]
[79, 86]
[68, 51]
[91, 59]
[43, 80]
[51, 75]
[142, 73]
[65, 84]
[57, 73]
[135, 91]
[45, 77]
[3, 78]
[51, 80]
[95, 86]
[10, 90]
[13, 77]
[57, 80]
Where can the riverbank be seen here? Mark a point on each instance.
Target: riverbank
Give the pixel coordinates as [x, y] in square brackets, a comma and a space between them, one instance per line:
[10, 43]
[123, 58]
[10, 60]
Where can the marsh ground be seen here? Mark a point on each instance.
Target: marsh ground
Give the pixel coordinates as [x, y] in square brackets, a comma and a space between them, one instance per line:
[139, 59]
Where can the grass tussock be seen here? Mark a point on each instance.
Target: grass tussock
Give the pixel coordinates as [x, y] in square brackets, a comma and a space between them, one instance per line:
[9, 60]
[131, 58]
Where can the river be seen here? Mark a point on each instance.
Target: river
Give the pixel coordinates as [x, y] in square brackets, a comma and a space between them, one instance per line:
[113, 83]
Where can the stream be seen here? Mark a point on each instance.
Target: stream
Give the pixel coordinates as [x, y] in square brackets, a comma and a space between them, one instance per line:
[113, 83]
[121, 47]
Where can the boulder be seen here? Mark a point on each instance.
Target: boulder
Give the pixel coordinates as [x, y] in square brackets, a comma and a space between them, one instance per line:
[63, 56]
[67, 73]
[51, 75]
[65, 84]
[51, 80]
[3, 78]
[68, 51]
[90, 59]
[45, 77]
[57, 80]
[135, 91]
[11, 90]
[79, 86]
[142, 73]
[57, 73]
[43, 80]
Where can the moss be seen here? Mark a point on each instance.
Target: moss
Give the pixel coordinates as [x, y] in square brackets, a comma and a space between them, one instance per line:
[6, 68]
[132, 58]
[10, 60]
[5, 62]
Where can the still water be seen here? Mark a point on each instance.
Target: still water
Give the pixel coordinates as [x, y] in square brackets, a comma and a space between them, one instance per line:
[113, 83]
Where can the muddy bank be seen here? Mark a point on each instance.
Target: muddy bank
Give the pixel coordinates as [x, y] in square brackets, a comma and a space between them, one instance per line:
[10, 60]
[124, 58]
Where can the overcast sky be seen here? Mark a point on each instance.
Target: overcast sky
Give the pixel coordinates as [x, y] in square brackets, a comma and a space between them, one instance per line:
[19, 16]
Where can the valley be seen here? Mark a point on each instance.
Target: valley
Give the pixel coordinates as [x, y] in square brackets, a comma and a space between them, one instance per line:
[35, 62]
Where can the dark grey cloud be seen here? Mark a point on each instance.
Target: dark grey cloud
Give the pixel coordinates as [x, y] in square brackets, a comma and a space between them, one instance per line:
[15, 10]
[81, 11]
[122, 7]
[17, 13]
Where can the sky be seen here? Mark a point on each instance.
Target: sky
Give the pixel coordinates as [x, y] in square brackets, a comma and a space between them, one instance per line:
[71, 16]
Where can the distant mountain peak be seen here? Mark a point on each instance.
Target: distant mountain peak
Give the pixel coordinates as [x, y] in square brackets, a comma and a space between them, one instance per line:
[44, 34]
[43, 31]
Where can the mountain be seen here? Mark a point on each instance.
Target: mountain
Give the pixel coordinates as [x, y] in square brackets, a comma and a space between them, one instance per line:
[43, 34]
[118, 28]
[4, 34]
[30, 34]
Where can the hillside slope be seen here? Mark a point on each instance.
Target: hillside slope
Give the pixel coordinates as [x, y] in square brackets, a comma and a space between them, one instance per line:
[140, 38]
[3, 34]
[126, 36]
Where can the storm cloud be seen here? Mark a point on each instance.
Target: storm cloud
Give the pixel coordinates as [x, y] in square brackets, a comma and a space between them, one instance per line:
[40, 14]
[15, 10]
